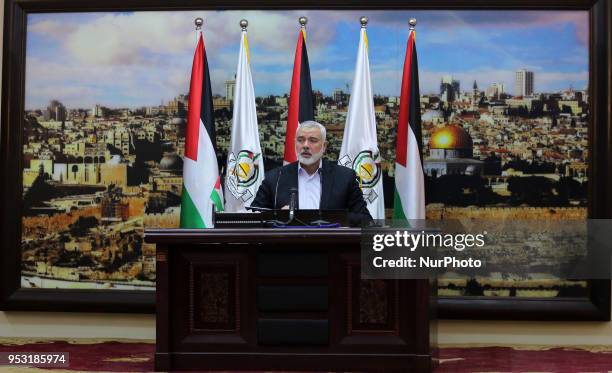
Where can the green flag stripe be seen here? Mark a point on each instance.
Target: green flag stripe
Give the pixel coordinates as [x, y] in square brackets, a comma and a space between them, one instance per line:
[216, 198]
[190, 216]
[398, 209]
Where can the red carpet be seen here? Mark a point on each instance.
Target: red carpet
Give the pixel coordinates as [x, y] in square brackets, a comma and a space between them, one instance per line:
[507, 359]
[138, 357]
[107, 356]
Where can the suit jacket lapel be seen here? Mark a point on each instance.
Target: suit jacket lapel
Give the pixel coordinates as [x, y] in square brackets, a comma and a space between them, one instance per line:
[327, 183]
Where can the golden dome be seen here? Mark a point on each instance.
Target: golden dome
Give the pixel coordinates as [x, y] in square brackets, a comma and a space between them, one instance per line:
[450, 137]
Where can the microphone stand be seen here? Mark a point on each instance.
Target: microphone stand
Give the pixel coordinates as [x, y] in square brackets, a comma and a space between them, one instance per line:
[292, 207]
[275, 222]
[293, 193]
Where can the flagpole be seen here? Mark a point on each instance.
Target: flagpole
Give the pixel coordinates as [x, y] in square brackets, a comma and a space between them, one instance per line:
[409, 194]
[198, 31]
[364, 22]
[301, 106]
[202, 192]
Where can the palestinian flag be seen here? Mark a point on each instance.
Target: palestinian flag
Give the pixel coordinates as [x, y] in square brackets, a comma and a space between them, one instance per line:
[301, 107]
[201, 183]
[409, 198]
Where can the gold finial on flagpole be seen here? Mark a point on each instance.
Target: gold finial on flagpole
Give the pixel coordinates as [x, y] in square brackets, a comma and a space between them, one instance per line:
[243, 24]
[303, 21]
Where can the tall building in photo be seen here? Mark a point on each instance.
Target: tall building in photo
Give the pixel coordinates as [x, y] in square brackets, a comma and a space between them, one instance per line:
[55, 111]
[230, 87]
[523, 83]
[120, 138]
[496, 89]
[449, 88]
[475, 99]
[339, 96]
[97, 111]
[177, 106]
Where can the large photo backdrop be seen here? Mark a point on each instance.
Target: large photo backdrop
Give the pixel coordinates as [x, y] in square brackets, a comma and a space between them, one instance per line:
[504, 97]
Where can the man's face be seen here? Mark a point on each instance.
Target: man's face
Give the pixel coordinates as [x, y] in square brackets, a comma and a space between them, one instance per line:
[309, 146]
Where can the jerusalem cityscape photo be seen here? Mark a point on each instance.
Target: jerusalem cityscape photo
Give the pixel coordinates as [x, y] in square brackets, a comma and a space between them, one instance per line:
[505, 136]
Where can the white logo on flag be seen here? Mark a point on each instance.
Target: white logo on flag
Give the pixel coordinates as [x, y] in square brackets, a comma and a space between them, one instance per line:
[367, 167]
[243, 173]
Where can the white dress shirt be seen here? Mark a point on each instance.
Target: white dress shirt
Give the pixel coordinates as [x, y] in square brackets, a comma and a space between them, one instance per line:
[309, 188]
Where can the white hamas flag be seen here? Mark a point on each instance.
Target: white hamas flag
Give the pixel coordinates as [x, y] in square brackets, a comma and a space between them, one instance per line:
[245, 169]
[359, 145]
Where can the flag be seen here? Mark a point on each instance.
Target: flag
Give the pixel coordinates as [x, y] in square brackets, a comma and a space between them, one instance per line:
[359, 144]
[245, 169]
[201, 183]
[409, 197]
[301, 106]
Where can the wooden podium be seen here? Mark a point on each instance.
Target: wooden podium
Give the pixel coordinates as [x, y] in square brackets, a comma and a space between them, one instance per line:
[283, 299]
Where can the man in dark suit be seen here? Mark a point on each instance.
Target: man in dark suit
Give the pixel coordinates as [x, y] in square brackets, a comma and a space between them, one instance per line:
[320, 184]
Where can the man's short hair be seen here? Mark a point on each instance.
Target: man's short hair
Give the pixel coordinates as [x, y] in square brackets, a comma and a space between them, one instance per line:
[312, 124]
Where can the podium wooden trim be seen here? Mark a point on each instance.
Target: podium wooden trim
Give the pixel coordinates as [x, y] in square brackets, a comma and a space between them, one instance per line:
[283, 299]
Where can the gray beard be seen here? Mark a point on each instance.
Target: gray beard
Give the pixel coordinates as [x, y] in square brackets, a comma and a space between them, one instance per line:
[314, 158]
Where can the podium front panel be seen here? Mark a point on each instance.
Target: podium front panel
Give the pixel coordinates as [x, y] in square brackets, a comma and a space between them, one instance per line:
[244, 299]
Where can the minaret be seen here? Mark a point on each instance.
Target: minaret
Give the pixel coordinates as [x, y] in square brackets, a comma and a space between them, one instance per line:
[475, 96]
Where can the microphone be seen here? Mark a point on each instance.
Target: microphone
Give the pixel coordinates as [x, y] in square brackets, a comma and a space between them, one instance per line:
[280, 173]
[292, 196]
[261, 209]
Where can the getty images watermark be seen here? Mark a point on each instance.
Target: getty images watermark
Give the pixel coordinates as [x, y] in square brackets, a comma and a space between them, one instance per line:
[505, 248]
[405, 253]
[411, 241]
